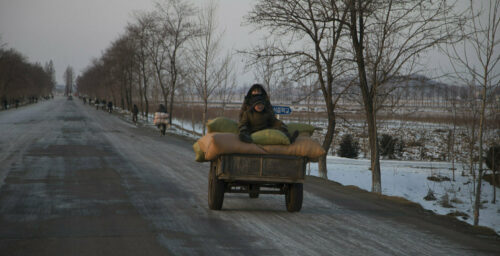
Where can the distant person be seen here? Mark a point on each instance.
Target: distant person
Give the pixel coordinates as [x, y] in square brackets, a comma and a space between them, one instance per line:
[110, 106]
[17, 103]
[97, 104]
[103, 104]
[162, 125]
[257, 114]
[135, 112]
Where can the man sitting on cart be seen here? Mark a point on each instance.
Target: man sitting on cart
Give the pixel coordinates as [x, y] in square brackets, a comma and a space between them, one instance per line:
[257, 114]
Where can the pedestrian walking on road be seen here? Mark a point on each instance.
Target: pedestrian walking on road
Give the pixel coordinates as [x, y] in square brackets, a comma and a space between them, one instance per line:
[161, 119]
[97, 104]
[110, 106]
[135, 112]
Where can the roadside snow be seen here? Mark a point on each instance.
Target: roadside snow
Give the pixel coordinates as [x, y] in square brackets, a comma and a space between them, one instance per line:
[408, 179]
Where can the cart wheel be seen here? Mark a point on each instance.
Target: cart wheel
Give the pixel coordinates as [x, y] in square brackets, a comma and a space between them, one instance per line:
[215, 189]
[253, 194]
[293, 197]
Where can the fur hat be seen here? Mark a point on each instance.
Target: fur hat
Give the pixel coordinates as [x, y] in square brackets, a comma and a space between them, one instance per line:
[256, 99]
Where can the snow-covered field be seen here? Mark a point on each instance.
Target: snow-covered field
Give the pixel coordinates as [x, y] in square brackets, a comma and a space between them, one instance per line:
[402, 178]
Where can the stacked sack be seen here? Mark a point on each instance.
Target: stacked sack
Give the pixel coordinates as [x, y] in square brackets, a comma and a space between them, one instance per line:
[160, 118]
[222, 138]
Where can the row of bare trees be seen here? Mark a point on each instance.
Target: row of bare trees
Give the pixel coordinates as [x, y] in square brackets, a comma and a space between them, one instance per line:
[326, 46]
[21, 80]
[366, 43]
[379, 42]
[174, 46]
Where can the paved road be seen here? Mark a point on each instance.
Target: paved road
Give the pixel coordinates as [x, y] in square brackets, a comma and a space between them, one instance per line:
[76, 181]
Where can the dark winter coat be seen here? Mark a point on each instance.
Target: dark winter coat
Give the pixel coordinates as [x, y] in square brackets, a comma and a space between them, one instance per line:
[162, 109]
[252, 121]
[135, 110]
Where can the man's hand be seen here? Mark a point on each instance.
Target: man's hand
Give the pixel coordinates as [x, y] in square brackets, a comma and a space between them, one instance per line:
[245, 137]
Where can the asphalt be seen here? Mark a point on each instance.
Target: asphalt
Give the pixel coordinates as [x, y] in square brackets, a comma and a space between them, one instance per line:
[78, 181]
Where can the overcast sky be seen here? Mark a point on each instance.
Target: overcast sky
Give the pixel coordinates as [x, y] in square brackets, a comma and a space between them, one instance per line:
[73, 32]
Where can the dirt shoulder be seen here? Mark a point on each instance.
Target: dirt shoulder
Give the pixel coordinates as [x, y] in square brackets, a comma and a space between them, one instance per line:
[405, 212]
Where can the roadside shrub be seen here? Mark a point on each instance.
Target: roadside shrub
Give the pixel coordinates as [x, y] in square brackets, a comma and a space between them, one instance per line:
[445, 201]
[430, 195]
[492, 158]
[348, 147]
[438, 178]
[414, 143]
[390, 147]
[458, 214]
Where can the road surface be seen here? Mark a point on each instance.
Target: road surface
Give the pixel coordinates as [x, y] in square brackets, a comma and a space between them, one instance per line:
[77, 181]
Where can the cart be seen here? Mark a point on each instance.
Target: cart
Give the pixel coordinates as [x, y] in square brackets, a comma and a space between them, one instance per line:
[257, 174]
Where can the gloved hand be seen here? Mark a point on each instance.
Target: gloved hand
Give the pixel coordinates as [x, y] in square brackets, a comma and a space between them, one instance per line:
[294, 137]
[245, 137]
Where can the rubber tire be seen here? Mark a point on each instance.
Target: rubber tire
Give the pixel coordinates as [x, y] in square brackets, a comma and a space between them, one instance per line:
[253, 195]
[215, 189]
[293, 197]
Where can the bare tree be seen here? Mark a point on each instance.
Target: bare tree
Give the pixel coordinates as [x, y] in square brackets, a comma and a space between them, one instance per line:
[140, 32]
[267, 69]
[51, 71]
[176, 25]
[480, 35]
[21, 80]
[157, 51]
[306, 35]
[387, 39]
[228, 84]
[207, 65]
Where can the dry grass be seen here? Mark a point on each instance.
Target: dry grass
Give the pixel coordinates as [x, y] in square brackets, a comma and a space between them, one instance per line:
[195, 112]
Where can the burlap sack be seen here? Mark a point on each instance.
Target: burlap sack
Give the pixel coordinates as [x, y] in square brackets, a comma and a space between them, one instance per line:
[158, 121]
[270, 137]
[222, 124]
[160, 118]
[161, 115]
[303, 146]
[200, 155]
[214, 144]
[304, 129]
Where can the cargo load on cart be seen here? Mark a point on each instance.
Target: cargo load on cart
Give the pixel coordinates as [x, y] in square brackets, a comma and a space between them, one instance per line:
[269, 165]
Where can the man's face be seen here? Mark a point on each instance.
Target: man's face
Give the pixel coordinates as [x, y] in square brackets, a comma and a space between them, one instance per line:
[259, 107]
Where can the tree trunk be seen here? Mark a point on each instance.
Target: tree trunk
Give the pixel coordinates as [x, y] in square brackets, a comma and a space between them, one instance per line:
[145, 93]
[173, 72]
[453, 148]
[374, 155]
[479, 179]
[368, 94]
[322, 169]
[141, 98]
[204, 118]
[494, 201]
[471, 157]
[172, 94]
[147, 107]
